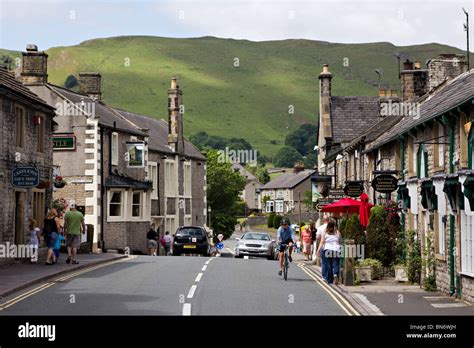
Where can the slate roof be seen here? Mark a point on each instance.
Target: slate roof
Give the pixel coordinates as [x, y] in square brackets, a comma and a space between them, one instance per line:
[352, 116]
[454, 93]
[244, 172]
[9, 82]
[158, 134]
[118, 181]
[288, 180]
[107, 115]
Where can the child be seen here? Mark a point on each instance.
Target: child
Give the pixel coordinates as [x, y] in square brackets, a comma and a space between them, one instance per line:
[57, 247]
[298, 246]
[33, 240]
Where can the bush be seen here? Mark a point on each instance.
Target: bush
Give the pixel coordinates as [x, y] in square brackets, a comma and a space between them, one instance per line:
[414, 258]
[71, 82]
[382, 233]
[276, 221]
[351, 229]
[270, 218]
[376, 265]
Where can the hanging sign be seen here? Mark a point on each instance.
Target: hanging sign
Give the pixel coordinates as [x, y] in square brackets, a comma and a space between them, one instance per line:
[385, 183]
[25, 177]
[353, 189]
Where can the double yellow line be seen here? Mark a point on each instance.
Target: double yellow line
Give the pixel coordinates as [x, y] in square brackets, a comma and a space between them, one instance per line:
[336, 296]
[50, 283]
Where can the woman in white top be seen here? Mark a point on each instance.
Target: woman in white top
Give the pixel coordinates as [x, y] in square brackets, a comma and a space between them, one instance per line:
[331, 246]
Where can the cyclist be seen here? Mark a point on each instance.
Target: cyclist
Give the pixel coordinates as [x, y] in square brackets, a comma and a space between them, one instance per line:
[285, 235]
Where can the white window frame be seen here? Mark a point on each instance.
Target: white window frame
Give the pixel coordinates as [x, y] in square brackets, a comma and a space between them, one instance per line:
[270, 206]
[188, 220]
[187, 175]
[170, 224]
[441, 235]
[171, 189]
[279, 206]
[467, 245]
[153, 177]
[140, 205]
[423, 173]
[114, 148]
[122, 215]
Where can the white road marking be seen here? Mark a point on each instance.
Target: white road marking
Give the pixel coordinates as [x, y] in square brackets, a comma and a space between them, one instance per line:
[198, 278]
[448, 305]
[207, 262]
[204, 268]
[246, 257]
[230, 251]
[434, 297]
[187, 309]
[191, 291]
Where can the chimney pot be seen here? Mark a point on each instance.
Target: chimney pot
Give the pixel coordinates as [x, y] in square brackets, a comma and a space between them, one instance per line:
[174, 84]
[407, 65]
[32, 48]
[417, 65]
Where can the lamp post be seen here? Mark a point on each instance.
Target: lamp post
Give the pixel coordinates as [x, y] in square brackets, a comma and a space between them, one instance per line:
[377, 71]
[466, 28]
[209, 216]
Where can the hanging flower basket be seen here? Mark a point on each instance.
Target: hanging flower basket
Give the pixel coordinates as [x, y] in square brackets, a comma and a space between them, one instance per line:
[59, 182]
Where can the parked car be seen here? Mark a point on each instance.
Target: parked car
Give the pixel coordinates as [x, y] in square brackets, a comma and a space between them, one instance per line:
[255, 244]
[191, 240]
[295, 228]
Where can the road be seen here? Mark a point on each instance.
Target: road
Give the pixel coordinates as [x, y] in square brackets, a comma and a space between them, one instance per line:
[184, 285]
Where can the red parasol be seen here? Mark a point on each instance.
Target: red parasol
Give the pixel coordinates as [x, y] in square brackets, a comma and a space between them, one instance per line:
[344, 205]
[364, 210]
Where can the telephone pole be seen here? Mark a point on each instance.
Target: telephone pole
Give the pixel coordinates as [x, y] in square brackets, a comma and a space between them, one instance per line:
[466, 28]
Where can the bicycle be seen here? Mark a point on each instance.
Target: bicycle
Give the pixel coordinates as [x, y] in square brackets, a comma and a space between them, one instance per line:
[286, 263]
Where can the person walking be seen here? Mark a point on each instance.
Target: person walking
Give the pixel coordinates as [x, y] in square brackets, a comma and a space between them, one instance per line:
[307, 239]
[151, 236]
[52, 225]
[57, 247]
[168, 240]
[331, 248]
[33, 240]
[319, 235]
[314, 230]
[73, 223]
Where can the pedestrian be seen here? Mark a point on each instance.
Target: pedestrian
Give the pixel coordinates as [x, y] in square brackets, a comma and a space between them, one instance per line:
[331, 248]
[168, 240]
[33, 240]
[51, 227]
[314, 230]
[152, 236]
[57, 247]
[306, 236]
[319, 234]
[73, 224]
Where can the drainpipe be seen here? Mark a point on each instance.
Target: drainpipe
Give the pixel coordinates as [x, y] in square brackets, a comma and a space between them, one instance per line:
[451, 216]
[402, 157]
[102, 187]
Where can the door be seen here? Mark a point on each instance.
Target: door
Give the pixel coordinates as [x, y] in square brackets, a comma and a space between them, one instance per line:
[19, 218]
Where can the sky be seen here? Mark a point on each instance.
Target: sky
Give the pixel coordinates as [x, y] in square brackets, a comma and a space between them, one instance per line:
[51, 23]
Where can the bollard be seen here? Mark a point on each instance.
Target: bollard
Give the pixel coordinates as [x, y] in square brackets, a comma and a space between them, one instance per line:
[349, 253]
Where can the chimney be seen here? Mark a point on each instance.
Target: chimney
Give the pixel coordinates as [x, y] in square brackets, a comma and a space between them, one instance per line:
[175, 118]
[325, 124]
[445, 67]
[34, 67]
[299, 167]
[90, 85]
[413, 81]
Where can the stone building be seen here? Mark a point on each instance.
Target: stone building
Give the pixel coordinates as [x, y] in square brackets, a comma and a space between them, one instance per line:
[26, 162]
[252, 185]
[122, 169]
[428, 146]
[286, 193]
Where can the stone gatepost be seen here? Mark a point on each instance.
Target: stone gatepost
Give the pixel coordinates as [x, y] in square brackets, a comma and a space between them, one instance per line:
[349, 253]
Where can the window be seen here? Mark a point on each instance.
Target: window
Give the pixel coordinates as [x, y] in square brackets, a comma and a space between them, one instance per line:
[170, 179]
[270, 208]
[188, 221]
[19, 126]
[440, 140]
[137, 204]
[187, 179]
[422, 162]
[153, 176]
[114, 149]
[116, 203]
[467, 243]
[411, 157]
[279, 206]
[39, 125]
[170, 225]
[279, 194]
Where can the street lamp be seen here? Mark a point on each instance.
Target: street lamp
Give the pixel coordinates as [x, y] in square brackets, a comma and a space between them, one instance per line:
[377, 71]
[209, 216]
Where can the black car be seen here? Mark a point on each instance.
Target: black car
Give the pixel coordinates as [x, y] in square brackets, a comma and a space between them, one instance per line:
[191, 240]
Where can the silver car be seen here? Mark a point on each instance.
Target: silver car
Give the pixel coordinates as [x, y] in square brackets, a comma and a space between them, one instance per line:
[255, 244]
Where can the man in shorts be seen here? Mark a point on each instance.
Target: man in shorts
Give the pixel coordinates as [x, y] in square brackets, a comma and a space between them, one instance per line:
[73, 223]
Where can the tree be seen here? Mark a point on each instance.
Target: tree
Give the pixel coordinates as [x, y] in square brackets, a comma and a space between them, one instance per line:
[310, 160]
[308, 200]
[303, 139]
[262, 175]
[223, 188]
[71, 82]
[287, 157]
[352, 229]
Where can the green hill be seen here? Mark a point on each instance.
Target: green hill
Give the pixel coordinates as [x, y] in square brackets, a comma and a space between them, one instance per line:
[251, 100]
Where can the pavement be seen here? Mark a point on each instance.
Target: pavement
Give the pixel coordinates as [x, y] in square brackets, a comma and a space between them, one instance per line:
[20, 275]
